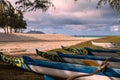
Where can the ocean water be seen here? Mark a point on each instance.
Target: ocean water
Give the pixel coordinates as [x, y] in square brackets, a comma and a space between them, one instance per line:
[90, 36]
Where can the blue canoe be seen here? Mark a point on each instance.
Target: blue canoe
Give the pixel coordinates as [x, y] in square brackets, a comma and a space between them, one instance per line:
[93, 52]
[65, 70]
[62, 70]
[83, 59]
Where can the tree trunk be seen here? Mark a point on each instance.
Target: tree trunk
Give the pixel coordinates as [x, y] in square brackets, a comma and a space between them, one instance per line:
[21, 30]
[15, 30]
[10, 30]
[4, 30]
[7, 29]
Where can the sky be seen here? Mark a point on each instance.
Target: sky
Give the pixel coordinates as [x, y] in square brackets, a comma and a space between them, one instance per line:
[74, 18]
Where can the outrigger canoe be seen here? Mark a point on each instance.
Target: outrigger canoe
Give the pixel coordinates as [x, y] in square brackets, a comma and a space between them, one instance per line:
[76, 59]
[93, 52]
[62, 70]
[106, 45]
[15, 61]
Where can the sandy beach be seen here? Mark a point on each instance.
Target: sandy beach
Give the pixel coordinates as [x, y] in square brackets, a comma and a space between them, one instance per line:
[30, 42]
[25, 44]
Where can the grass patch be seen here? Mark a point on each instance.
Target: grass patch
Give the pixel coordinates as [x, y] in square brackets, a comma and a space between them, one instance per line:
[115, 39]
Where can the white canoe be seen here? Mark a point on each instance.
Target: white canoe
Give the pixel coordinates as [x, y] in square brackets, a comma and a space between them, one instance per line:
[106, 45]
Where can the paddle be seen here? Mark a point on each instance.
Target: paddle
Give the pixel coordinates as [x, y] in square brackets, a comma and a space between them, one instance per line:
[90, 63]
[118, 53]
[94, 63]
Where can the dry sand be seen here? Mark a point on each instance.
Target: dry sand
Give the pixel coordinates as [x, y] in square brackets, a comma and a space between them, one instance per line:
[43, 42]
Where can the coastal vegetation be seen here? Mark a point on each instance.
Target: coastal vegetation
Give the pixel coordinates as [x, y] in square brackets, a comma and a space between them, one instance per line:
[11, 19]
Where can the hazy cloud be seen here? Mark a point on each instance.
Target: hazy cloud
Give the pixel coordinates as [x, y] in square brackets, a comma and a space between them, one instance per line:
[71, 17]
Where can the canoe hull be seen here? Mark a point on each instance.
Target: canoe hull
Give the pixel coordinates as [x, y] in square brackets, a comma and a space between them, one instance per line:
[91, 62]
[104, 45]
[93, 52]
[57, 69]
[65, 70]
[76, 59]
[66, 73]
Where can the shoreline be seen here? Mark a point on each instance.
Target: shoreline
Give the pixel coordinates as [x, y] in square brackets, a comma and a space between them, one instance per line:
[31, 42]
[43, 42]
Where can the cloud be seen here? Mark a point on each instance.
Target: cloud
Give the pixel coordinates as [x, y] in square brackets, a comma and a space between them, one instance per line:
[115, 28]
[71, 17]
